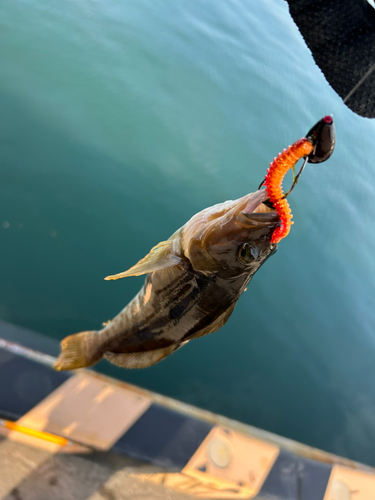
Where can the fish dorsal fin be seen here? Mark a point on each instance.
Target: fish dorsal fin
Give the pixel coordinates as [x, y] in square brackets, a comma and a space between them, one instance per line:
[159, 257]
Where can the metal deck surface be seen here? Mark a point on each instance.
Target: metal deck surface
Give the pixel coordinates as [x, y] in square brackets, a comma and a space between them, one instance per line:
[82, 436]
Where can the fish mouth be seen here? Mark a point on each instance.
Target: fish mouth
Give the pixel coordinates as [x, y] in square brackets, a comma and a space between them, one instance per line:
[256, 213]
[262, 218]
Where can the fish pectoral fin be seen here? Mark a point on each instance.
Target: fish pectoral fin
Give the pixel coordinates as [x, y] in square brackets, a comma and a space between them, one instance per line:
[160, 257]
[140, 359]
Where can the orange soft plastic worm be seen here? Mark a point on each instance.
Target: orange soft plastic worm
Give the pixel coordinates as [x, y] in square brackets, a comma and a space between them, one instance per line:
[273, 182]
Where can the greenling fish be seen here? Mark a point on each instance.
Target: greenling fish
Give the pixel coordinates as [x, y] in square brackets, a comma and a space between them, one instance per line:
[195, 278]
[193, 282]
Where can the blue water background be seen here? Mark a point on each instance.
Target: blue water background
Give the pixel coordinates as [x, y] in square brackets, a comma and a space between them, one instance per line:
[119, 121]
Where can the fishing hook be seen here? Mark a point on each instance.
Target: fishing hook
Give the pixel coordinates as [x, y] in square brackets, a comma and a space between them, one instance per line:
[295, 178]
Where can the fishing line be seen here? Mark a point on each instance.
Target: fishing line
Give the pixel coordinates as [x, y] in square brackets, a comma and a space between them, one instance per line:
[295, 180]
[356, 86]
[359, 83]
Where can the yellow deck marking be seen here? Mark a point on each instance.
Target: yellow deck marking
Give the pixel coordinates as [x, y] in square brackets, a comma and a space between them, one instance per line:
[38, 434]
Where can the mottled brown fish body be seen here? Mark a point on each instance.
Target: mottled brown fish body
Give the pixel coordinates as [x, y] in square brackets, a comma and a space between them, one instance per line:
[193, 282]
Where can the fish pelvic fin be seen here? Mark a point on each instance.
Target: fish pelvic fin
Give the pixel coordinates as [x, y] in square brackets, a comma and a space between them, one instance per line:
[78, 351]
[141, 359]
[159, 257]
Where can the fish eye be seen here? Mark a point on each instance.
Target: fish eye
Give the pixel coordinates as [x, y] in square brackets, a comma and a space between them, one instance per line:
[247, 253]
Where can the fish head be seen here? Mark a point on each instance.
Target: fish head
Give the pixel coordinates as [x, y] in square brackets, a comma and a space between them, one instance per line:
[233, 238]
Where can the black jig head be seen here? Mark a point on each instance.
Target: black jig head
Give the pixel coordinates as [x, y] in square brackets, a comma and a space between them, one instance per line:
[323, 137]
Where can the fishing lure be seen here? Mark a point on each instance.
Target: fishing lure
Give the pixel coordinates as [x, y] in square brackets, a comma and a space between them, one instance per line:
[273, 182]
[315, 148]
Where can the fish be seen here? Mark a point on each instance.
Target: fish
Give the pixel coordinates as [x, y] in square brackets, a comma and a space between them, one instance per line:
[195, 278]
[193, 282]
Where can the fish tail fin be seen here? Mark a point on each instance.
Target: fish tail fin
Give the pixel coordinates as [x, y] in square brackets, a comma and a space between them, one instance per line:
[78, 351]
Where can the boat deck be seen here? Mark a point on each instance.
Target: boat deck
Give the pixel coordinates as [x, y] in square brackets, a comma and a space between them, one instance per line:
[81, 435]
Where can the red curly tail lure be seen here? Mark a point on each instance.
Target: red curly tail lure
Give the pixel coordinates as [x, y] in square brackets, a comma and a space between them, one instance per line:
[273, 182]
